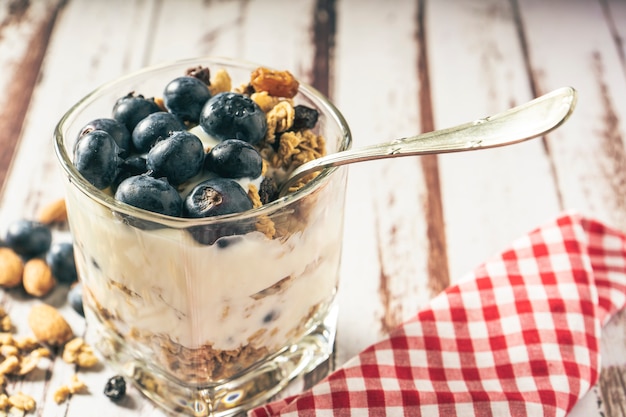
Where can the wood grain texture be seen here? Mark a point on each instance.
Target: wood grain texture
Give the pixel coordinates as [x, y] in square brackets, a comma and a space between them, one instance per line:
[588, 152]
[384, 274]
[438, 274]
[490, 197]
[24, 35]
[394, 69]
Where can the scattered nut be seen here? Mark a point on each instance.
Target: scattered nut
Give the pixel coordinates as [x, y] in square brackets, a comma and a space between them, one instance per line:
[27, 343]
[61, 394]
[76, 385]
[10, 365]
[55, 212]
[6, 338]
[22, 401]
[6, 325]
[29, 362]
[78, 352]
[37, 278]
[64, 391]
[11, 268]
[48, 325]
[9, 350]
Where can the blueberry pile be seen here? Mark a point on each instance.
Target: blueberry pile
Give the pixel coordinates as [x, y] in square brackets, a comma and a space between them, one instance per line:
[32, 239]
[145, 155]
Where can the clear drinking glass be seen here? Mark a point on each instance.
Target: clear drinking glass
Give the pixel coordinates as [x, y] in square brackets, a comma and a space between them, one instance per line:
[213, 328]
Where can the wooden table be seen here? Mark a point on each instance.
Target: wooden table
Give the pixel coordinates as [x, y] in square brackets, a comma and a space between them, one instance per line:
[394, 68]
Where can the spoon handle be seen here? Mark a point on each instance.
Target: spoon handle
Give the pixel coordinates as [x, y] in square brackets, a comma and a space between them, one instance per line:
[517, 124]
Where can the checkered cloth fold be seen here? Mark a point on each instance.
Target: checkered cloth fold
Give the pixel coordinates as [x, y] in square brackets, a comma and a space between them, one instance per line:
[520, 336]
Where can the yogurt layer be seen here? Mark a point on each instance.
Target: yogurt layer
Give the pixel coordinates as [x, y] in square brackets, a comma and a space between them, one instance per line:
[242, 293]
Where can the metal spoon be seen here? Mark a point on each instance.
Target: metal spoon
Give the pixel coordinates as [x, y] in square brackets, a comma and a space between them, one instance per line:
[527, 121]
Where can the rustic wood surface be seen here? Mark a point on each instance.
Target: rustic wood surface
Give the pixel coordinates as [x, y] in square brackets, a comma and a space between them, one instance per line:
[394, 68]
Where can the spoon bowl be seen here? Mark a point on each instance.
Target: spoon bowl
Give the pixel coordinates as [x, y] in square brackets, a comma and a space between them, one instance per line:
[529, 120]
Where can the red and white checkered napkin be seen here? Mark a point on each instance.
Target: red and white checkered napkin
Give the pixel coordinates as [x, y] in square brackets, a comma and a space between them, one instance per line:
[519, 337]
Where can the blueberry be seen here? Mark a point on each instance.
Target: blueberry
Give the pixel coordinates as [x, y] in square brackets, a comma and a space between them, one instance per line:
[75, 298]
[115, 388]
[131, 109]
[185, 97]
[233, 116]
[135, 164]
[304, 118]
[28, 237]
[131, 166]
[60, 259]
[96, 158]
[234, 158]
[177, 158]
[154, 127]
[117, 130]
[214, 197]
[152, 194]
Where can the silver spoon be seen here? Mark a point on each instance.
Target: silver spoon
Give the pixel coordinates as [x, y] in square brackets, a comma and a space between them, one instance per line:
[527, 121]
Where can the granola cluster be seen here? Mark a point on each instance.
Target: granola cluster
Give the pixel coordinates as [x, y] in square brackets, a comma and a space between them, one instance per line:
[19, 356]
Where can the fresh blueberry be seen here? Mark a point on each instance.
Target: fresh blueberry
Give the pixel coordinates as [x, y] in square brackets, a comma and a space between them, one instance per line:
[177, 158]
[131, 109]
[304, 118]
[131, 166]
[117, 130]
[215, 197]
[135, 164]
[185, 97]
[96, 158]
[152, 194]
[60, 259]
[75, 298]
[234, 158]
[233, 116]
[28, 237]
[115, 388]
[154, 127]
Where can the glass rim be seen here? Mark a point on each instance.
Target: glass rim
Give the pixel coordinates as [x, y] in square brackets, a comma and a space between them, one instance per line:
[89, 190]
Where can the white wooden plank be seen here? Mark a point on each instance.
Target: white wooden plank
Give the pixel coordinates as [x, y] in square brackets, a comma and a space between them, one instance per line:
[24, 34]
[255, 31]
[15, 33]
[588, 151]
[74, 66]
[616, 16]
[477, 69]
[384, 276]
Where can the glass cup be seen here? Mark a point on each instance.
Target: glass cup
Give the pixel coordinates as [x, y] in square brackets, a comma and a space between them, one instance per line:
[211, 316]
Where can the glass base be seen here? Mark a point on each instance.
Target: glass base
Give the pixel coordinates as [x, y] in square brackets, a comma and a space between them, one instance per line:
[252, 388]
